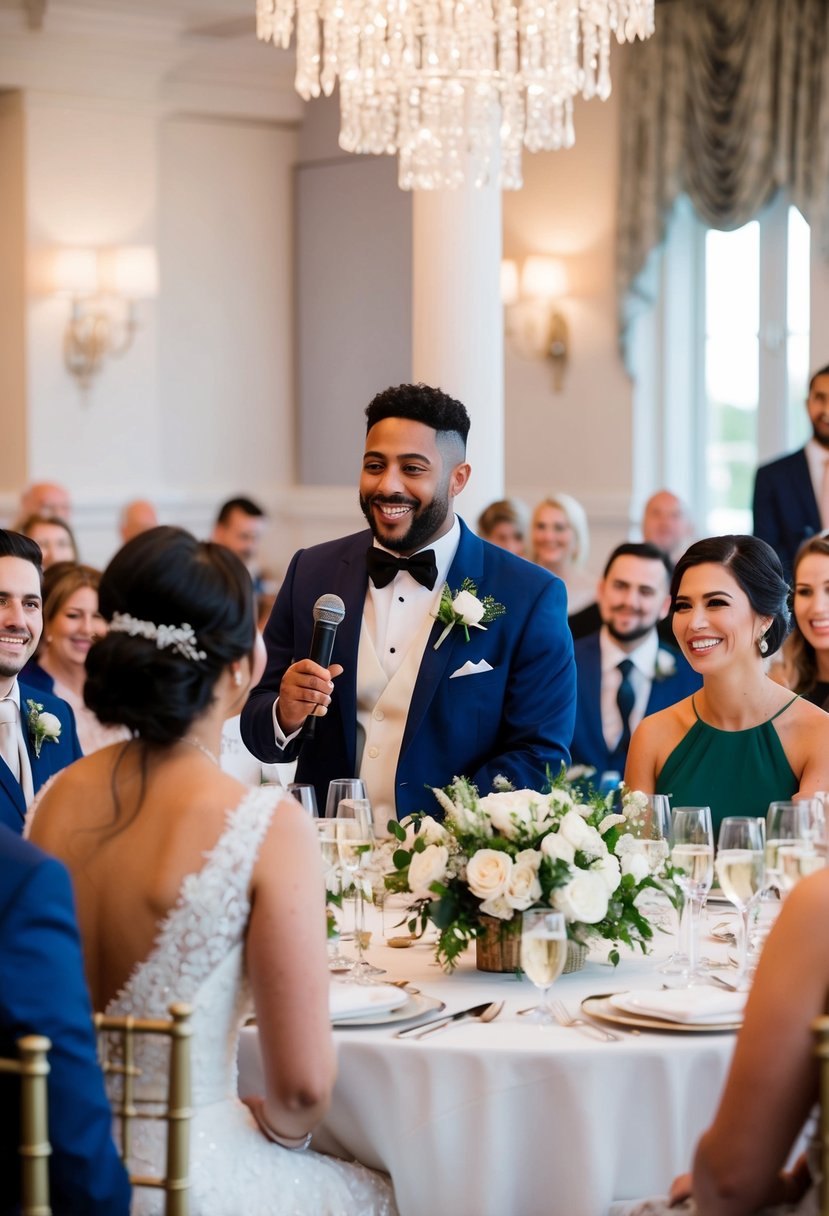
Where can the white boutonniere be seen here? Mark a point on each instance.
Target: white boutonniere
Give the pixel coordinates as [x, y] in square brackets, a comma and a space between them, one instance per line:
[42, 726]
[464, 608]
[665, 665]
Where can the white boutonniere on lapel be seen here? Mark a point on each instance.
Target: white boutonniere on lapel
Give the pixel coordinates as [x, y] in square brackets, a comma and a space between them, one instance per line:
[665, 665]
[464, 608]
[43, 727]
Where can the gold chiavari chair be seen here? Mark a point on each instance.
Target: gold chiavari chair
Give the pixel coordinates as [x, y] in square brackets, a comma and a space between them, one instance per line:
[177, 1110]
[32, 1067]
[820, 1026]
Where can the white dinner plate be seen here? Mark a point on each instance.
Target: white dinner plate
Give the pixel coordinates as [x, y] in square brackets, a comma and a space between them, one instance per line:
[416, 1005]
[600, 1007]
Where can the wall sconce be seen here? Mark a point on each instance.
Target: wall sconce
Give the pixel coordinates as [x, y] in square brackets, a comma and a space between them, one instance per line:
[103, 286]
[533, 320]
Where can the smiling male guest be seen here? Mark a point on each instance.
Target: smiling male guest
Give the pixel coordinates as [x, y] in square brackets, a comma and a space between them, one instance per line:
[624, 671]
[405, 712]
[791, 495]
[37, 731]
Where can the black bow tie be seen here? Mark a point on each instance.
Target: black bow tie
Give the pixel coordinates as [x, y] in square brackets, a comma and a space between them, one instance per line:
[383, 566]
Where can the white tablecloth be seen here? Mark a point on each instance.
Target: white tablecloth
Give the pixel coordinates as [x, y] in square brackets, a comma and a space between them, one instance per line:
[513, 1119]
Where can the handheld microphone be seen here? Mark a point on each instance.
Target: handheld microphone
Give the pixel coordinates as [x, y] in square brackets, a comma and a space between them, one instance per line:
[328, 613]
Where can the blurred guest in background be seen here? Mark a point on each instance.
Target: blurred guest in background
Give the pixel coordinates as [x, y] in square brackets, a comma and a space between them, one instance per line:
[45, 498]
[560, 542]
[136, 517]
[804, 665]
[504, 523]
[53, 535]
[71, 625]
[667, 523]
[240, 526]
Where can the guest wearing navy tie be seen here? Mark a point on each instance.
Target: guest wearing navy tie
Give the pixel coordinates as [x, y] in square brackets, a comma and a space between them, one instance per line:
[407, 712]
[624, 671]
[791, 495]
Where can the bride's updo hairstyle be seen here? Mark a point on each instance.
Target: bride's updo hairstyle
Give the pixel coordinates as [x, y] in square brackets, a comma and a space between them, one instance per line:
[166, 577]
[755, 567]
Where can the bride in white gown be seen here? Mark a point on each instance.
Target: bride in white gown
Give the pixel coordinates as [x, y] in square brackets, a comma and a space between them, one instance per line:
[190, 887]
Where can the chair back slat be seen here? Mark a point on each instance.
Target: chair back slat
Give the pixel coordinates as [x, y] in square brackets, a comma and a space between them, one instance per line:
[32, 1066]
[177, 1104]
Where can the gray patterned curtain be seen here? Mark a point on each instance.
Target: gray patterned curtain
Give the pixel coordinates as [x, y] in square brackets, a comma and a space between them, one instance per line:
[727, 102]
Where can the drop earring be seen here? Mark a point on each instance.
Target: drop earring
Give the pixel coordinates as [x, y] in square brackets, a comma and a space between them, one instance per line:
[237, 678]
[762, 644]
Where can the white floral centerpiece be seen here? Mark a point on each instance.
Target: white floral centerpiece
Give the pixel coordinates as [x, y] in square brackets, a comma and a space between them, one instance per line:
[502, 853]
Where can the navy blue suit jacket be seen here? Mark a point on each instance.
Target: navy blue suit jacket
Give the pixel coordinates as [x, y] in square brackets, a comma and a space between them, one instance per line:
[589, 746]
[514, 720]
[43, 991]
[785, 509]
[53, 755]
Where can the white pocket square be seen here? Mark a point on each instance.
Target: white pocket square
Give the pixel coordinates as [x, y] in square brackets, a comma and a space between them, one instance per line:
[472, 669]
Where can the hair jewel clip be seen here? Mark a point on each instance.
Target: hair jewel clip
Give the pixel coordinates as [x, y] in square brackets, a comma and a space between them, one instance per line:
[180, 638]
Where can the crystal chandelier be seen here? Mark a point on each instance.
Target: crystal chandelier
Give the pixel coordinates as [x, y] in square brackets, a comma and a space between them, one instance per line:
[445, 83]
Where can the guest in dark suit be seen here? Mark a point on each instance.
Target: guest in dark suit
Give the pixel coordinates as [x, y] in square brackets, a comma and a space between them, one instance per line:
[43, 991]
[791, 495]
[407, 712]
[37, 730]
[624, 671]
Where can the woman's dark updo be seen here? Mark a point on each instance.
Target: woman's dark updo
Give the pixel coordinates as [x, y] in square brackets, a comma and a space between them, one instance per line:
[168, 577]
[756, 568]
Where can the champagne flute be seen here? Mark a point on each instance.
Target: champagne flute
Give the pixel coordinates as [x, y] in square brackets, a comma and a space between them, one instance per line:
[355, 842]
[543, 955]
[327, 836]
[741, 873]
[692, 857]
[342, 787]
[650, 826]
[306, 796]
[788, 826]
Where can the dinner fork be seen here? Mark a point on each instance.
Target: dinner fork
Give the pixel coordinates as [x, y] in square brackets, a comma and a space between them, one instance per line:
[565, 1018]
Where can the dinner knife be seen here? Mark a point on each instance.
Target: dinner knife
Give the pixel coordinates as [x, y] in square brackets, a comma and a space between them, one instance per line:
[475, 1011]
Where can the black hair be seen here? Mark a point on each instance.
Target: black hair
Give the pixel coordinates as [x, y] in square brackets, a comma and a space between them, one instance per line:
[167, 577]
[643, 549]
[757, 569]
[15, 544]
[823, 371]
[246, 505]
[420, 403]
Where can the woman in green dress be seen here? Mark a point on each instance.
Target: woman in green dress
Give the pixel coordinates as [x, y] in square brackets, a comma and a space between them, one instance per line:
[743, 741]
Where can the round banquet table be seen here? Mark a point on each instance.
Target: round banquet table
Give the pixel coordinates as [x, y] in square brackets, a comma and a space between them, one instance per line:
[510, 1118]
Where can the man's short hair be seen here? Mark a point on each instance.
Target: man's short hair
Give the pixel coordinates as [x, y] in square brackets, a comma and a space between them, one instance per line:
[641, 548]
[420, 403]
[823, 371]
[246, 505]
[15, 544]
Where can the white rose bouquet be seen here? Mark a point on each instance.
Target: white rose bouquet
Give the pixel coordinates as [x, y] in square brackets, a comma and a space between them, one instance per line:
[505, 852]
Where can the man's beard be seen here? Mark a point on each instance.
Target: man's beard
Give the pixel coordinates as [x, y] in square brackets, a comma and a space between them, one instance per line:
[822, 439]
[632, 635]
[11, 668]
[423, 527]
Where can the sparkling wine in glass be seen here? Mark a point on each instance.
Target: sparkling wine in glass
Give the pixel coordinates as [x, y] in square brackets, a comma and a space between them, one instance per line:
[355, 843]
[741, 874]
[543, 955]
[788, 827]
[692, 858]
[329, 848]
[650, 826]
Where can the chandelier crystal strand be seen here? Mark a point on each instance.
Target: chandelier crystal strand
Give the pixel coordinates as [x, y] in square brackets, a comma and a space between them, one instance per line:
[454, 87]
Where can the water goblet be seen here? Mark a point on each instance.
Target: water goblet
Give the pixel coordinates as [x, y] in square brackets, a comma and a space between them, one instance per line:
[741, 874]
[306, 796]
[692, 857]
[543, 955]
[355, 842]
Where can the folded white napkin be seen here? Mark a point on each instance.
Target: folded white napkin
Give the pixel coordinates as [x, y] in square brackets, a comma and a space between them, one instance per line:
[691, 1005]
[356, 1000]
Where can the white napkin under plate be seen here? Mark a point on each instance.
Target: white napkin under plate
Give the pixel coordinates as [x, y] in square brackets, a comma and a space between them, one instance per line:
[357, 1000]
[689, 1005]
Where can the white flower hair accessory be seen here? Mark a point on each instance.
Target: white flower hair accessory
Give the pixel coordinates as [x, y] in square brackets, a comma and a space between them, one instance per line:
[180, 637]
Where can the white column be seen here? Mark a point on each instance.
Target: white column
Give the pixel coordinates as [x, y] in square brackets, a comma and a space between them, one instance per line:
[457, 322]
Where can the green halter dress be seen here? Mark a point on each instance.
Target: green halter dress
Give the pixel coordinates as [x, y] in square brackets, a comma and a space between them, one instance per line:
[735, 772]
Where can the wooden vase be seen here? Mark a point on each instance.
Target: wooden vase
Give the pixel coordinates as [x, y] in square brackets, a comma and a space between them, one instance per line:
[498, 946]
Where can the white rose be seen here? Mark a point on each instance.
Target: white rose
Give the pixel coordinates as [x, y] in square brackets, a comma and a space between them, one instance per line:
[634, 863]
[585, 898]
[487, 873]
[610, 821]
[498, 906]
[49, 725]
[581, 836]
[512, 811]
[557, 848]
[427, 867]
[524, 889]
[610, 871]
[431, 831]
[626, 844]
[468, 607]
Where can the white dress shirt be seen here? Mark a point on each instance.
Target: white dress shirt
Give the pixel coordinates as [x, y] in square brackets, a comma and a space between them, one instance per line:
[643, 658]
[23, 751]
[816, 458]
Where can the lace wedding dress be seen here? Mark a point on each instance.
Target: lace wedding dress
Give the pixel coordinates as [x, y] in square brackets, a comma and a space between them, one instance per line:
[198, 957]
